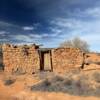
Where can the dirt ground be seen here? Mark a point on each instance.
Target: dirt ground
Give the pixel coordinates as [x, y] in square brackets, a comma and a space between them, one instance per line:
[76, 85]
[49, 86]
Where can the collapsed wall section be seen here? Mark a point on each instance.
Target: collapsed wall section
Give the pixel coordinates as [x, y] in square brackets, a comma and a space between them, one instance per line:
[20, 58]
[64, 59]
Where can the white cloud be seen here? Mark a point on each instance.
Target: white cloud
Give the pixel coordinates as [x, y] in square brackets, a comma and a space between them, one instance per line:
[93, 12]
[28, 28]
[21, 38]
[67, 23]
[88, 30]
[2, 23]
[4, 40]
[6, 24]
[57, 30]
[2, 32]
[88, 13]
[27, 38]
[37, 36]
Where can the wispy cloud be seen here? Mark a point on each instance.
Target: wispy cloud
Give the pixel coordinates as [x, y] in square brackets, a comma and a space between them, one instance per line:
[50, 23]
[93, 12]
[3, 32]
[88, 30]
[25, 38]
[90, 12]
[28, 28]
[6, 24]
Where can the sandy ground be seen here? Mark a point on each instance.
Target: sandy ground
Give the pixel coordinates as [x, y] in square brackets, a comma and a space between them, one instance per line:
[19, 90]
[17, 93]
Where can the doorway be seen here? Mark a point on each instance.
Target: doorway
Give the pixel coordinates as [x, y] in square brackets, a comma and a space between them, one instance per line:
[1, 60]
[45, 60]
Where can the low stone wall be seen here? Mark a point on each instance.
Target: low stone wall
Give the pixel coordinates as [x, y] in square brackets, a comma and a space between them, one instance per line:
[20, 58]
[64, 59]
[26, 59]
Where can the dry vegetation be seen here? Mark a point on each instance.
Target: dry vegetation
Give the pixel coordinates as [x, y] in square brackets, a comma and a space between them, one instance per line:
[76, 42]
[77, 84]
[50, 86]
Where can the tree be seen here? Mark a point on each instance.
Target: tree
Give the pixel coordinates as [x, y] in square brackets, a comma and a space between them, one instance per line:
[76, 43]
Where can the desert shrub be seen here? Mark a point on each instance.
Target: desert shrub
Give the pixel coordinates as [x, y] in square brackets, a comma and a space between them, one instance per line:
[67, 82]
[47, 82]
[96, 76]
[83, 87]
[84, 77]
[76, 43]
[45, 85]
[58, 78]
[97, 92]
[9, 81]
[79, 84]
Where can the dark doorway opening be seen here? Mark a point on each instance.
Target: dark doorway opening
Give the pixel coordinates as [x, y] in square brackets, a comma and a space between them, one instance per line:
[1, 59]
[45, 60]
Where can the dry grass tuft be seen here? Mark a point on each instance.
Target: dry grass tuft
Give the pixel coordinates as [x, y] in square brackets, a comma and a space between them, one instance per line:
[79, 84]
[96, 76]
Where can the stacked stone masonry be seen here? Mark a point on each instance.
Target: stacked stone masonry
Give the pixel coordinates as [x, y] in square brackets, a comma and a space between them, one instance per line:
[24, 58]
[66, 58]
[27, 58]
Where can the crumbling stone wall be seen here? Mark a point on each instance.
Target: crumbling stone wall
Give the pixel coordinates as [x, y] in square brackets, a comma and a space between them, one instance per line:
[64, 59]
[26, 59]
[20, 58]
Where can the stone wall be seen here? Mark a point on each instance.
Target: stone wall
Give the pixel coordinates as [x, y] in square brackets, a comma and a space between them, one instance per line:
[20, 58]
[64, 59]
[26, 58]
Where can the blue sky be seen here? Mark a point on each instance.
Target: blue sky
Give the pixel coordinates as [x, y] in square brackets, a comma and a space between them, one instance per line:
[50, 22]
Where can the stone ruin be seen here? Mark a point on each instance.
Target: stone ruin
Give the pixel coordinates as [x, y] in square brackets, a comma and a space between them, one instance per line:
[20, 58]
[31, 58]
[65, 59]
